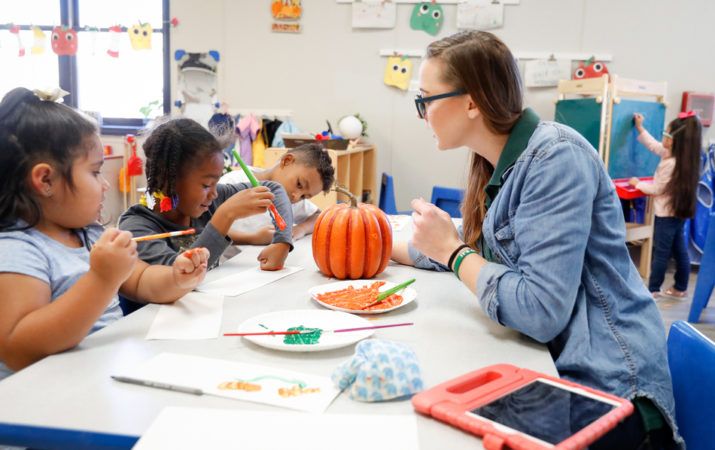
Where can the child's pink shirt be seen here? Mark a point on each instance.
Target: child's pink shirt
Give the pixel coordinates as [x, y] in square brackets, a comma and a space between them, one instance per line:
[661, 177]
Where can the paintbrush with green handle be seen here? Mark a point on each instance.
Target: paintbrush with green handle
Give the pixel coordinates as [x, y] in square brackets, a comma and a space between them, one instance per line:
[383, 295]
[277, 219]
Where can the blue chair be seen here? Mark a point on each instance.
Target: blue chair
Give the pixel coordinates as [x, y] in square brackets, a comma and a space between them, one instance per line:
[448, 199]
[387, 196]
[691, 357]
[706, 275]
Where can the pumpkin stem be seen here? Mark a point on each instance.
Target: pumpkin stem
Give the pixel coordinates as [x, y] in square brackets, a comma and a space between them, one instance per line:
[343, 190]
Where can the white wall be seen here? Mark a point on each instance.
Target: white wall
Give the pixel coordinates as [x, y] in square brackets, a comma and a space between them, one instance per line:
[329, 70]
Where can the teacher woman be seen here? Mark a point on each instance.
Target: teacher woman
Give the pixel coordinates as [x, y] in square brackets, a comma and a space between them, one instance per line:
[543, 239]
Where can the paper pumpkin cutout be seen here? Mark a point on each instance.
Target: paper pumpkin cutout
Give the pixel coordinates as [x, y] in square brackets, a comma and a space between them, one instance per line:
[398, 72]
[286, 9]
[64, 41]
[590, 69]
[140, 36]
[113, 49]
[38, 44]
[15, 29]
[427, 16]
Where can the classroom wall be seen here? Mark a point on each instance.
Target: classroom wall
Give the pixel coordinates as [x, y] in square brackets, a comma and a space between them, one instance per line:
[330, 70]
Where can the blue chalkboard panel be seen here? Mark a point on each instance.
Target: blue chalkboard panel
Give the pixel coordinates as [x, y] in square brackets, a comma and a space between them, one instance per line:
[627, 157]
[583, 115]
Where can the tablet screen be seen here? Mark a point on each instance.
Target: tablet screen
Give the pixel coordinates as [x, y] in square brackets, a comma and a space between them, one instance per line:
[546, 411]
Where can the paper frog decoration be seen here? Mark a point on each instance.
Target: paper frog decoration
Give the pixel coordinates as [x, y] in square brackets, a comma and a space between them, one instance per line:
[380, 370]
[398, 72]
[428, 17]
[64, 41]
[590, 69]
[140, 36]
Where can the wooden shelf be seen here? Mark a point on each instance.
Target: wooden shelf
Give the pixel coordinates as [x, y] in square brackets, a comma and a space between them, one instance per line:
[354, 169]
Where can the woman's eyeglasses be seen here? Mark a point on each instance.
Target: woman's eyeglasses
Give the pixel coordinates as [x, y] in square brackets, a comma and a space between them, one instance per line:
[421, 102]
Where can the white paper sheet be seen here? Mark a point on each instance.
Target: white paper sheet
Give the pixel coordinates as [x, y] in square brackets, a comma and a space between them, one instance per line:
[247, 280]
[374, 14]
[194, 316]
[179, 428]
[480, 15]
[544, 72]
[238, 381]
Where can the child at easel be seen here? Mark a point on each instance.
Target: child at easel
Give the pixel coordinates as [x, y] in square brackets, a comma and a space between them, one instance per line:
[62, 271]
[673, 189]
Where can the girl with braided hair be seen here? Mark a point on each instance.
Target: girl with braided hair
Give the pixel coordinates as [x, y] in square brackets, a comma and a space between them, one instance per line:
[184, 162]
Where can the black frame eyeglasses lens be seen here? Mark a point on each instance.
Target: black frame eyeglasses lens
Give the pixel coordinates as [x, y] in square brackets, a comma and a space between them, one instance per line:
[421, 102]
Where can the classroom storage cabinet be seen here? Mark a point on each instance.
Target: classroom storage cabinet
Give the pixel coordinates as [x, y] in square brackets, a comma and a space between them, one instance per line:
[602, 109]
[354, 168]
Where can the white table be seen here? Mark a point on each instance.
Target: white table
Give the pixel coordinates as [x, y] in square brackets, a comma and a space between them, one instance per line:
[70, 401]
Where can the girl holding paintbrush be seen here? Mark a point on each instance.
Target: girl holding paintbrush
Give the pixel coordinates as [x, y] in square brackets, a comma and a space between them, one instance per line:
[184, 164]
[61, 271]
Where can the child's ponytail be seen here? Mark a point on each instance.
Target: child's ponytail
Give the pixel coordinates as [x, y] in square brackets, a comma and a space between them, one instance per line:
[687, 141]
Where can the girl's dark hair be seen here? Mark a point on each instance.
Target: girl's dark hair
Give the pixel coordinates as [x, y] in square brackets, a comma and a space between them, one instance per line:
[317, 157]
[34, 131]
[173, 146]
[482, 65]
[687, 140]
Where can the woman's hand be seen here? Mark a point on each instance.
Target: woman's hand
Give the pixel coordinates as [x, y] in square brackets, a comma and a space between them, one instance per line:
[189, 267]
[434, 233]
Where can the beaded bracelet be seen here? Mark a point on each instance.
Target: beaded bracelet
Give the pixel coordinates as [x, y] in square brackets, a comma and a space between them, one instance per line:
[459, 260]
[454, 255]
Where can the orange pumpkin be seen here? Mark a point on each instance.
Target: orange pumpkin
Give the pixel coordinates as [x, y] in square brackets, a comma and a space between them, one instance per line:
[352, 240]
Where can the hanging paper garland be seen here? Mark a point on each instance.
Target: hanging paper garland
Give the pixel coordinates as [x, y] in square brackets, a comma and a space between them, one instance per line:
[140, 36]
[113, 49]
[428, 17]
[15, 29]
[64, 41]
[398, 72]
[92, 33]
[38, 44]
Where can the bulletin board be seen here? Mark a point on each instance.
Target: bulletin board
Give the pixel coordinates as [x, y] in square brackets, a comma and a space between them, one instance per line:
[583, 115]
[626, 156]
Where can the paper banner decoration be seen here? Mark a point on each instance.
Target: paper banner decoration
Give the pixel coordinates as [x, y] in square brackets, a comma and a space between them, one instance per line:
[398, 72]
[91, 33]
[286, 9]
[428, 17]
[38, 43]
[590, 69]
[113, 49]
[546, 72]
[480, 15]
[382, 14]
[140, 36]
[64, 41]
[15, 29]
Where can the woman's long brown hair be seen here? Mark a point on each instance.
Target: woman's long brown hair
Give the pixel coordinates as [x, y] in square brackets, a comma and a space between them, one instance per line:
[481, 64]
[687, 140]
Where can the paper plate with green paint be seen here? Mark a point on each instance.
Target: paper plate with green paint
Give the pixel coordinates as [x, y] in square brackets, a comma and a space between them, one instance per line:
[316, 330]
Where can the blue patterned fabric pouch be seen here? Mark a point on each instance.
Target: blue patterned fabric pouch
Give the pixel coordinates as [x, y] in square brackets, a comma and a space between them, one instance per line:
[379, 370]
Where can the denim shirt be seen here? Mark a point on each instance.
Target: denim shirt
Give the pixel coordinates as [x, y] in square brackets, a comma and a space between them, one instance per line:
[561, 272]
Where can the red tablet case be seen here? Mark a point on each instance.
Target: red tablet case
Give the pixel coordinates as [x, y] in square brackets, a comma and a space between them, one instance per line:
[450, 401]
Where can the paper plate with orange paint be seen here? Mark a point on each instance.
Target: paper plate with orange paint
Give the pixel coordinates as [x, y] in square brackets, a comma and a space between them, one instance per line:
[353, 296]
